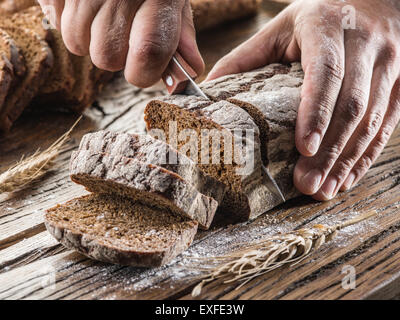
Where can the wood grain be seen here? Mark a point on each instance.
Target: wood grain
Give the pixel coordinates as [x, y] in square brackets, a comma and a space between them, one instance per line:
[34, 266]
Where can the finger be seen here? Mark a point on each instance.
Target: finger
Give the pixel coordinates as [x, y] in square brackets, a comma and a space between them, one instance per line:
[110, 31]
[323, 64]
[265, 47]
[153, 40]
[76, 21]
[377, 145]
[311, 172]
[52, 10]
[382, 84]
[187, 44]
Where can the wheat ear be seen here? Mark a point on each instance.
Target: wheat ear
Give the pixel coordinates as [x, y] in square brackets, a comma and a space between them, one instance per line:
[266, 255]
[35, 166]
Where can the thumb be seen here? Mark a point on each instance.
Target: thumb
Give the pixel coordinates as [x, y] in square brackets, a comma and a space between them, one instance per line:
[265, 47]
[187, 44]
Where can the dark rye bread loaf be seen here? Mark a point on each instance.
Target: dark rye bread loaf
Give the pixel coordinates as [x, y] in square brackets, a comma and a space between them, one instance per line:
[39, 61]
[61, 79]
[12, 53]
[271, 95]
[150, 184]
[6, 76]
[151, 151]
[248, 191]
[210, 13]
[113, 229]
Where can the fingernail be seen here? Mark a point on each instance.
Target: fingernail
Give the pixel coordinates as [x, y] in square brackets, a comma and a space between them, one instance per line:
[312, 142]
[328, 188]
[312, 180]
[348, 183]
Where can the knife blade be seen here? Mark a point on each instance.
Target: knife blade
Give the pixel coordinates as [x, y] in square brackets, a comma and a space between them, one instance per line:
[276, 188]
[179, 78]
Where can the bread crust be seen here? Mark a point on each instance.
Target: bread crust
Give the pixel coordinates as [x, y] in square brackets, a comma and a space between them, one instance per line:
[38, 63]
[150, 184]
[94, 247]
[156, 152]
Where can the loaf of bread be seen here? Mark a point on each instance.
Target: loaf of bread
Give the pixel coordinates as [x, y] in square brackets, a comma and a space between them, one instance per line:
[210, 13]
[271, 95]
[12, 53]
[240, 167]
[46, 75]
[148, 183]
[113, 229]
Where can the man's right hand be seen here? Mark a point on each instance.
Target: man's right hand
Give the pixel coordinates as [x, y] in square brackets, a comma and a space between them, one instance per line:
[139, 36]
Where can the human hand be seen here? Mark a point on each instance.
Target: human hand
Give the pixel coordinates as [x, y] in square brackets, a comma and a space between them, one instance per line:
[350, 102]
[139, 36]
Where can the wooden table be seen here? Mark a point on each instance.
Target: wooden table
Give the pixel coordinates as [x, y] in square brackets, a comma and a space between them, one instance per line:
[35, 266]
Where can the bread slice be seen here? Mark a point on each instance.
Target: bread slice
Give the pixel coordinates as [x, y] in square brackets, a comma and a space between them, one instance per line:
[271, 95]
[6, 77]
[210, 13]
[39, 61]
[113, 229]
[156, 152]
[248, 190]
[150, 184]
[61, 79]
[12, 53]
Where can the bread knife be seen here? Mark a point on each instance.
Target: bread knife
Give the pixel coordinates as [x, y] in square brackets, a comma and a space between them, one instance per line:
[179, 78]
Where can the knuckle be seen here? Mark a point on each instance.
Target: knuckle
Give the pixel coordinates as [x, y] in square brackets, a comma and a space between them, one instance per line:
[364, 163]
[354, 106]
[152, 51]
[330, 154]
[390, 52]
[383, 137]
[320, 119]
[332, 67]
[371, 125]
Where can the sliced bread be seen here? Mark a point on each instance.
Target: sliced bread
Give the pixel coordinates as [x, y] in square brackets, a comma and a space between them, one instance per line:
[240, 168]
[6, 77]
[271, 95]
[61, 79]
[150, 184]
[113, 229]
[156, 152]
[39, 61]
[12, 52]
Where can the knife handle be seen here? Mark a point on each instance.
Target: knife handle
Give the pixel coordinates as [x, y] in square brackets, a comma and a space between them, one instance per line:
[173, 77]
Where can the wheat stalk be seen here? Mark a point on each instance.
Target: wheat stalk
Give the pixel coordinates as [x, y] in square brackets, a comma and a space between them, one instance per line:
[32, 168]
[269, 254]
